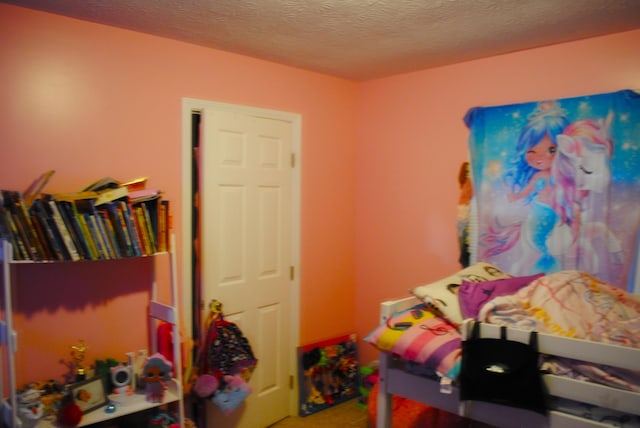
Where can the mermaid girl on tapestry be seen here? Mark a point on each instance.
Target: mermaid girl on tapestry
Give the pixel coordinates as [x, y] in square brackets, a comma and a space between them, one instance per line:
[528, 181]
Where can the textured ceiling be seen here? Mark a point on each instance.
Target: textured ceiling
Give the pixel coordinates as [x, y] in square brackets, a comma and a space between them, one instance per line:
[360, 39]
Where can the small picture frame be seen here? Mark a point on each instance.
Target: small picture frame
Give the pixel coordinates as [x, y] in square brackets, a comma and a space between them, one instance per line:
[89, 394]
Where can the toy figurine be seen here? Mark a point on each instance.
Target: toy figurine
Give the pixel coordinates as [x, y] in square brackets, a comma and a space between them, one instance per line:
[157, 371]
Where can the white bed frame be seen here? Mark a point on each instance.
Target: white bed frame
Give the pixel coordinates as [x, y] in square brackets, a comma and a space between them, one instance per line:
[395, 381]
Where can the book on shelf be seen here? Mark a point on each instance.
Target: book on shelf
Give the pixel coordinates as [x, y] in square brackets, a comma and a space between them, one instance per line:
[132, 226]
[143, 229]
[55, 213]
[102, 184]
[114, 209]
[38, 185]
[75, 222]
[21, 236]
[149, 209]
[73, 196]
[75, 230]
[118, 204]
[86, 208]
[14, 202]
[40, 210]
[163, 226]
[135, 184]
[40, 228]
[143, 195]
[110, 195]
[103, 221]
[109, 235]
[5, 229]
[19, 248]
[88, 235]
[105, 183]
[95, 231]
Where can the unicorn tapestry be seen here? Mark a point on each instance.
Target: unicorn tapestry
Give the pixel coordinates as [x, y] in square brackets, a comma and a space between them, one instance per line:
[557, 185]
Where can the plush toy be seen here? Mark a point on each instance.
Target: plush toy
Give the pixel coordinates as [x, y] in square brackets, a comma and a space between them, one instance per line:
[162, 420]
[206, 385]
[69, 415]
[369, 376]
[29, 405]
[156, 373]
[234, 392]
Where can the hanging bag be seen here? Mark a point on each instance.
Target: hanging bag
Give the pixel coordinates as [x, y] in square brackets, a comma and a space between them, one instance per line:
[227, 350]
[502, 371]
[225, 358]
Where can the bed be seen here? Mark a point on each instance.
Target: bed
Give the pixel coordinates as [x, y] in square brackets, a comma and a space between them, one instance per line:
[573, 401]
[551, 186]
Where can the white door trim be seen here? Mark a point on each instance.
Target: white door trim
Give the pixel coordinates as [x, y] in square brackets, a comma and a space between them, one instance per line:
[189, 106]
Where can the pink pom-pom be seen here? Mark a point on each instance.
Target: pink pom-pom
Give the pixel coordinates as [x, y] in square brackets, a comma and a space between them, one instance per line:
[70, 415]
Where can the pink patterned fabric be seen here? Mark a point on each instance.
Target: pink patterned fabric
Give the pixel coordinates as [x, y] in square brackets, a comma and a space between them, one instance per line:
[473, 295]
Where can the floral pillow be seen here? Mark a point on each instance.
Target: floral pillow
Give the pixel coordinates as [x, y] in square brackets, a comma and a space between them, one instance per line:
[443, 294]
[418, 335]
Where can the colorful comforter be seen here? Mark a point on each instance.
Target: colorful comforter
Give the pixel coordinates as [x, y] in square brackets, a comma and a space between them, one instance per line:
[574, 304]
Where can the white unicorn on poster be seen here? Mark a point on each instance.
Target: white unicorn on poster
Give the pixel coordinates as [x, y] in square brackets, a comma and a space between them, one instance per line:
[582, 174]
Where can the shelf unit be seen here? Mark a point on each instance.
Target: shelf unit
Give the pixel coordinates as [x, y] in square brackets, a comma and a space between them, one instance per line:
[158, 312]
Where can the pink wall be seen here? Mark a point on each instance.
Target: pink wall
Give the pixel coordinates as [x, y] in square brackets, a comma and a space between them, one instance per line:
[90, 101]
[380, 158]
[411, 141]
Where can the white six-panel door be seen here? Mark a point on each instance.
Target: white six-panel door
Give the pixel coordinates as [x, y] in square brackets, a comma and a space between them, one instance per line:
[246, 226]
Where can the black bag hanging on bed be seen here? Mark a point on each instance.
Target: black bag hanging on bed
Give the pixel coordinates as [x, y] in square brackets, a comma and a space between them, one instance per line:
[502, 371]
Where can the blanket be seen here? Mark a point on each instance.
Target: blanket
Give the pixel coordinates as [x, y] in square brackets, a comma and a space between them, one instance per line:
[574, 304]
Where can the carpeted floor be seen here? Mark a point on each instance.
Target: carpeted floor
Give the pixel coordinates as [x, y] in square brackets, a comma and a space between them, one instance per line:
[347, 414]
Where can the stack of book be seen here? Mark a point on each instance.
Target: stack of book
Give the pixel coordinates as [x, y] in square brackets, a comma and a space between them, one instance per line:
[99, 223]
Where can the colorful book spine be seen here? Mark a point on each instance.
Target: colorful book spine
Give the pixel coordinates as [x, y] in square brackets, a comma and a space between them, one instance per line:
[19, 249]
[79, 240]
[14, 202]
[88, 236]
[39, 208]
[107, 231]
[144, 232]
[149, 224]
[64, 231]
[132, 227]
[162, 227]
[119, 229]
[39, 226]
[92, 223]
[5, 229]
[128, 243]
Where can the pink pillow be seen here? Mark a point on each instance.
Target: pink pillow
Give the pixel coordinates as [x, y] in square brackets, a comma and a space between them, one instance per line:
[418, 335]
[473, 295]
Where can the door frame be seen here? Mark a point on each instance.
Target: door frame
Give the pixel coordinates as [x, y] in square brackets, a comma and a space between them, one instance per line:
[189, 106]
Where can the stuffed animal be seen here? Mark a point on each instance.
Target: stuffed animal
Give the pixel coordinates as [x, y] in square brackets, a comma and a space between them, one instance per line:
[29, 405]
[206, 385]
[69, 415]
[234, 392]
[156, 373]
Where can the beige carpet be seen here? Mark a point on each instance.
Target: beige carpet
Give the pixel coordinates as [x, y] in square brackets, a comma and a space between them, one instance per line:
[346, 414]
